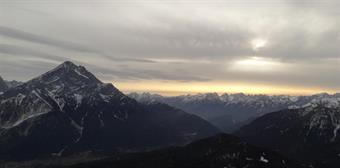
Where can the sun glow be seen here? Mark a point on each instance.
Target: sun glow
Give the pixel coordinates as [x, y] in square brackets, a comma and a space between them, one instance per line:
[256, 64]
[258, 43]
[170, 88]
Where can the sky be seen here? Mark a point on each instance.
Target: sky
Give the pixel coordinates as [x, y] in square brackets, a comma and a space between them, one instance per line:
[177, 47]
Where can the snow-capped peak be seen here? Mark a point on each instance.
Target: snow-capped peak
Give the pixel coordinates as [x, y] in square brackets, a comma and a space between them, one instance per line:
[328, 102]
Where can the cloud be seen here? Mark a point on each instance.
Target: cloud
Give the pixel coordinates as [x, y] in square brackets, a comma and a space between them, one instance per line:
[66, 45]
[26, 52]
[17, 34]
[178, 40]
[127, 73]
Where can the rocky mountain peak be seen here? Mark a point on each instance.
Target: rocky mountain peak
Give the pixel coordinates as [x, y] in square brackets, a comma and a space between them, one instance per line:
[68, 73]
[70, 110]
[64, 88]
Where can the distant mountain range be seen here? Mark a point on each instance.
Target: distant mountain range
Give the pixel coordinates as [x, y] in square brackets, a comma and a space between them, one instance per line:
[68, 110]
[231, 111]
[310, 132]
[220, 151]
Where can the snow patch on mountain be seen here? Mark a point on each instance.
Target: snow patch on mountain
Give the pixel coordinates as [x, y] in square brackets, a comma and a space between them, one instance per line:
[335, 132]
[80, 74]
[19, 98]
[262, 159]
[78, 98]
[106, 98]
[23, 119]
[37, 95]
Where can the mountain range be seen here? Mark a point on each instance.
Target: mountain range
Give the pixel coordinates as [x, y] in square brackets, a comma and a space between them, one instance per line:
[229, 112]
[68, 110]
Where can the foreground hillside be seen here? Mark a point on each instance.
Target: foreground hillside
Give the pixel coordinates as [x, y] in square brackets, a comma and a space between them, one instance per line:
[220, 151]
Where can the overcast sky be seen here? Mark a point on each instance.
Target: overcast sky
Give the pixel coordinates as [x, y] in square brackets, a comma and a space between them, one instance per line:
[222, 43]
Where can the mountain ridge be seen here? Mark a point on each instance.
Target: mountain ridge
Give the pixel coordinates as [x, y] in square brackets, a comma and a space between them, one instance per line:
[70, 110]
[310, 132]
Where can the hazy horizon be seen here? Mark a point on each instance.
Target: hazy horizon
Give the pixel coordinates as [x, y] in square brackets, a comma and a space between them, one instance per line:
[188, 88]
